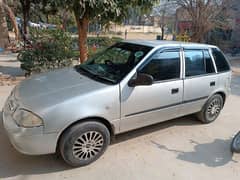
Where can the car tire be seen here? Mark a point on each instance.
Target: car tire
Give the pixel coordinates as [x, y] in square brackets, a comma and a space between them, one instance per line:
[211, 109]
[84, 143]
[235, 146]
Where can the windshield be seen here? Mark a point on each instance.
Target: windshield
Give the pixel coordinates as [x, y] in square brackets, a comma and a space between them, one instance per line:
[114, 63]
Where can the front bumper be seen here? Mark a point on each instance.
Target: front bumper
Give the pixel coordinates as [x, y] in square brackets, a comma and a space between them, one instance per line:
[31, 141]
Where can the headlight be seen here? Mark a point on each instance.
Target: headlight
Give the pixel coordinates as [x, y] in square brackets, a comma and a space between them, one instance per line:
[27, 119]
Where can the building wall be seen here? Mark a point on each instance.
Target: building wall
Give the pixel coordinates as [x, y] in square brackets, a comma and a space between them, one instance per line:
[183, 21]
[134, 29]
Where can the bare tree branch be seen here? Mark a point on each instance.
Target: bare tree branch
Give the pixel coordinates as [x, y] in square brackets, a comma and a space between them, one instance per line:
[205, 15]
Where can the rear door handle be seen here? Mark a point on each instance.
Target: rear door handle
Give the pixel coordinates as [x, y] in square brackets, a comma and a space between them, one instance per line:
[212, 83]
[175, 90]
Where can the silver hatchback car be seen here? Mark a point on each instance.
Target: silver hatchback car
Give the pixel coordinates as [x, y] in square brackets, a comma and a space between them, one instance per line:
[75, 111]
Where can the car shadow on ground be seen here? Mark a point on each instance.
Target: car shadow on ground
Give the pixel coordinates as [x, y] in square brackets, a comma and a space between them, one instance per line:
[235, 84]
[183, 121]
[9, 61]
[13, 163]
[13, 71]
[212, 154]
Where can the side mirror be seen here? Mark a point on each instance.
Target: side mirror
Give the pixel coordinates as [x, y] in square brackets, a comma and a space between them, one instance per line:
[141, 80]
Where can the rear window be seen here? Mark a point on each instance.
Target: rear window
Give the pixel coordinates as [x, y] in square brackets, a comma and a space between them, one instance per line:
[220, 60]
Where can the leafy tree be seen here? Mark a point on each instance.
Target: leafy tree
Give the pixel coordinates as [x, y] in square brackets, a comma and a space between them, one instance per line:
[110, 10]
[44, 9]
[85, 11]
[3, 27]
[26, 5]
[10, 13]
[51, 49]
[163, 11]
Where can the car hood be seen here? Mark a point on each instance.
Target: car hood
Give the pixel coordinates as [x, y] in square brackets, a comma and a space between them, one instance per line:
[54, 82]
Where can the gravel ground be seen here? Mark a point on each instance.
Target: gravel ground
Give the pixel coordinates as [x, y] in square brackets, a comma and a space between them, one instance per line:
[180, 149]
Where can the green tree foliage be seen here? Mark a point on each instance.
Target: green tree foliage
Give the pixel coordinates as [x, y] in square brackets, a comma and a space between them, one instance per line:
[51, 49]
[86, 11]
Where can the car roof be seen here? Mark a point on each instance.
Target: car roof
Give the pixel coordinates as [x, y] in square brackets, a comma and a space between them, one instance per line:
[157, 43]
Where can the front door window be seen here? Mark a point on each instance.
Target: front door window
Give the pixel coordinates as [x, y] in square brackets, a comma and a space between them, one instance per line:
[163, 65]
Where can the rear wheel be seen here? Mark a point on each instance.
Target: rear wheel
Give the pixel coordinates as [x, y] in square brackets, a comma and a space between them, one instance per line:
[211, 109]
[236, 143]
[84, 143]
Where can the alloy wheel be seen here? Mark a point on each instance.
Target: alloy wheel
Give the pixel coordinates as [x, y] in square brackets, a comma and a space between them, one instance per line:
[88, 145]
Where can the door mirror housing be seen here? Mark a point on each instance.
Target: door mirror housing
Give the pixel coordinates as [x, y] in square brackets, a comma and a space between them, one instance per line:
[141, 80]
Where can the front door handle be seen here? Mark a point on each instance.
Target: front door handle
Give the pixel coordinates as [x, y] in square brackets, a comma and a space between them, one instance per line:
[212, 83]
[175, 90]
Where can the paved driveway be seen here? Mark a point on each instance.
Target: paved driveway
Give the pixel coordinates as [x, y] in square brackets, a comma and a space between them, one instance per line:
[180, 149]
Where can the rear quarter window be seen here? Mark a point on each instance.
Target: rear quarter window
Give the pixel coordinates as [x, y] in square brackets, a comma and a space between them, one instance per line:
[220, 60]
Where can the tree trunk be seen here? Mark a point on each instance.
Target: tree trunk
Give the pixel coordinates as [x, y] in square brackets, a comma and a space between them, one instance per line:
[162, 29]
[26, 10]
[47, 18]
[4, 41]
[82, 25]
[12, 18]
[64, 20]
[198, 33]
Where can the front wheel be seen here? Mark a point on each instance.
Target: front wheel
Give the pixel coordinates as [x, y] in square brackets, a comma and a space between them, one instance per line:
[84, 143]
[235, 146]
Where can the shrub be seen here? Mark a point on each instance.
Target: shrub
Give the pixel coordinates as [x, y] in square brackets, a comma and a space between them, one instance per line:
[50, 49]
[95, 44]
[101, 42]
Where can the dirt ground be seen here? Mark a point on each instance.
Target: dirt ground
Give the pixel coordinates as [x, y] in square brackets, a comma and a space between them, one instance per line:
[180, 149]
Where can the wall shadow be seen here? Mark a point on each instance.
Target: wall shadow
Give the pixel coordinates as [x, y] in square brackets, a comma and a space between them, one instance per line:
[212, 154]
[9, 61]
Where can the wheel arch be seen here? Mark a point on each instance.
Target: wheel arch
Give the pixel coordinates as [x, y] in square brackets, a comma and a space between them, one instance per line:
[102, 120]
[223, 94]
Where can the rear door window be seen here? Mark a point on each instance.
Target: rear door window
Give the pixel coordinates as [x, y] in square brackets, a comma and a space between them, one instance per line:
[220, 61]
[198, 62]
[194, 63]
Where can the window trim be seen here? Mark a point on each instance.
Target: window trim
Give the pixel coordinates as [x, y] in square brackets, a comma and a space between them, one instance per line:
[213, 60]
[167, 80]
[161, 50]
[229, 65]
[200, 75]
